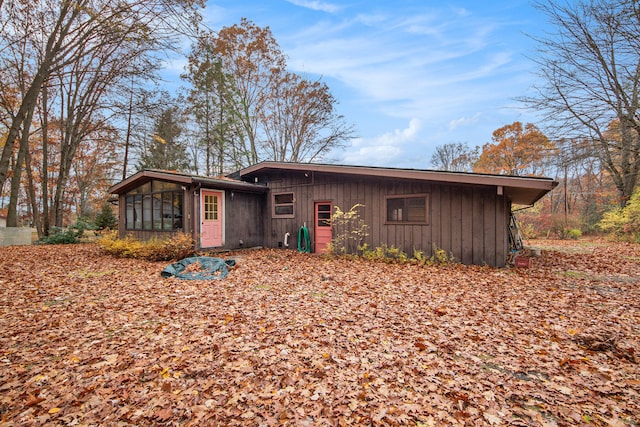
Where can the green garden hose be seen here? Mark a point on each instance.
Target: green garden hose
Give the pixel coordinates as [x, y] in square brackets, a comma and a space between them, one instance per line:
[304, 241]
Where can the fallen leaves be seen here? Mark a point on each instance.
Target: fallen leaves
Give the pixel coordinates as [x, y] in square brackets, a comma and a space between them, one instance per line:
[299, 339]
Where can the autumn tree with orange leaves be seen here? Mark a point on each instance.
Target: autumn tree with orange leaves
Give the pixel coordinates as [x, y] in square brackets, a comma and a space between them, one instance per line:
[69, 61]
[516, 150]
[250, 108]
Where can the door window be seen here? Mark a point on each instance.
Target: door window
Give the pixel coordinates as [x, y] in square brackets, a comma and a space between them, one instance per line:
[210, 207]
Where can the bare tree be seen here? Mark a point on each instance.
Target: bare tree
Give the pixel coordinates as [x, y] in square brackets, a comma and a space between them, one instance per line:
[590, 73]
[253, 108]
[454, 157]
[300, 122]
[84, 49]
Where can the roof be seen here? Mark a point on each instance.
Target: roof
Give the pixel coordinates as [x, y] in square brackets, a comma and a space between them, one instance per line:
[147, 175]
[518, 189]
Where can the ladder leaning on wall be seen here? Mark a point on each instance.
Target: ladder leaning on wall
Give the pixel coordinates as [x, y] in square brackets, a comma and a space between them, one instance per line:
[515, 238]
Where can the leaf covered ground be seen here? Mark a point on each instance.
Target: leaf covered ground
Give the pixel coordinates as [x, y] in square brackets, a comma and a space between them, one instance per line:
[298, 339]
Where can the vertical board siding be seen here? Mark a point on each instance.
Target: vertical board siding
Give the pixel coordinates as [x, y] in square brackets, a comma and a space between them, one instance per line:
[455, 197]
[489, 227]
[477, 219]
[437, 221]
[244, 215]
[467, 221]
[466, 215]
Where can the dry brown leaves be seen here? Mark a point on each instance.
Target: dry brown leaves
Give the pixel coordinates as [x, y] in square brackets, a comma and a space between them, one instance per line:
[297, 339]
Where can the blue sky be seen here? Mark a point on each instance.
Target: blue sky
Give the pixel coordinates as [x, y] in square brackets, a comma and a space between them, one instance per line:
[409, 74]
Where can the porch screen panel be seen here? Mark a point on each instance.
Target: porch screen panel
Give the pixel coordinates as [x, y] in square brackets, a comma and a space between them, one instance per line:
[154, 207]
[147, 214]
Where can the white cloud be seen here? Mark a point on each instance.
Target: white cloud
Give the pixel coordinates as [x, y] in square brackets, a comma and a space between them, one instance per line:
[386, 149]
[464, 121]
[400, 136]
[456, 69]
[316, 5]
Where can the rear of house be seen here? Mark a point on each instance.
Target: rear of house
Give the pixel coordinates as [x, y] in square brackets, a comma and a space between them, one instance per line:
[464, 214]
[266, 204]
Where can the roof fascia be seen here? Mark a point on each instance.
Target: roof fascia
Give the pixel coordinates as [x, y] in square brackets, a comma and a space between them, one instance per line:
[147, 175]
[424, 175]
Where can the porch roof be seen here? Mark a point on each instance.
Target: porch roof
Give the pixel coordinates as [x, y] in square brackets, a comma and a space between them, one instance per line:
[223, 183]
[518, 189]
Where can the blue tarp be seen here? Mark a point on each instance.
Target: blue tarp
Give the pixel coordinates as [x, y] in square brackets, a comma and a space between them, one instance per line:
[205, 268]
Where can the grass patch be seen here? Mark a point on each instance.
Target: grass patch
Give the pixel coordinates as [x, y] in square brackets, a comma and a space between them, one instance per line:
[87, 274]
[575, 274]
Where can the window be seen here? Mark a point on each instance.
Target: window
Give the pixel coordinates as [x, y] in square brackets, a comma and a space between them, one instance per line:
[324, 214]
[283, 205]
[156, 205]
[407, 209]
[210, 207]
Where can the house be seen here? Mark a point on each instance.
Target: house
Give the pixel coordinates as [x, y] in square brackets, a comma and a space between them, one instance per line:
[465, 214]
[217, 212]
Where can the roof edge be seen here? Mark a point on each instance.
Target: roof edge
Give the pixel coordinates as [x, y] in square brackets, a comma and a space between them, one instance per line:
[425, 174]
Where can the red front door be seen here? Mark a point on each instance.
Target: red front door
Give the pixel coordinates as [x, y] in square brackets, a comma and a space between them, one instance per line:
[322, 226]
[211, 232]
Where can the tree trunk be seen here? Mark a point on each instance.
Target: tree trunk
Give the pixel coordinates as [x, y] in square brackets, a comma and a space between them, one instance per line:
[12, 212]
[35, 212]
[46, 221]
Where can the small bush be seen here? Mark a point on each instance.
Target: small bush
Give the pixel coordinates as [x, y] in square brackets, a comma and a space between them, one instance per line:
[419, 257]
[70, 235]
[175, 248]
[570, 233]
[624, 224]
[384, 253]
[440, 256]
[349, 230]
[122, 248]
[106, 219]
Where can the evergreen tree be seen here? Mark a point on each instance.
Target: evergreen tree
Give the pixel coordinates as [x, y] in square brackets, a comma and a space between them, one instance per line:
[106, 218]
[164, 150]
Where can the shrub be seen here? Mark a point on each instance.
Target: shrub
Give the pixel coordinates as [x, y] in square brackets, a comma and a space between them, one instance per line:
[122, 248]
[440, 256]
[391, 254]
[177, 247]
[624, 224]
[62, 236]
[349, 230]
[106, 219]
[384, 253]
[570, 233]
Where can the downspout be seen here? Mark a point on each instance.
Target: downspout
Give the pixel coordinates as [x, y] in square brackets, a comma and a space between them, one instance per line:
[195, 219]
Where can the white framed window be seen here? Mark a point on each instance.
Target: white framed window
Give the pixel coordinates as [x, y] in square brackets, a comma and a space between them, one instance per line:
[283, 205]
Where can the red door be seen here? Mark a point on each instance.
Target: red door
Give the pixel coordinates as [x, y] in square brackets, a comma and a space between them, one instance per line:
[322, 227]
[211, 232]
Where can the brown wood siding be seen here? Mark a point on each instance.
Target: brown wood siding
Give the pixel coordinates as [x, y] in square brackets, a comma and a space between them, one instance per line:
[122, 214]
[244, 219]
[467, 221]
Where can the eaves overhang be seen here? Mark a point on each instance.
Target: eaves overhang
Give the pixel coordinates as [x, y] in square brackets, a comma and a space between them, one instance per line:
[521, 190]
[147, 175]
